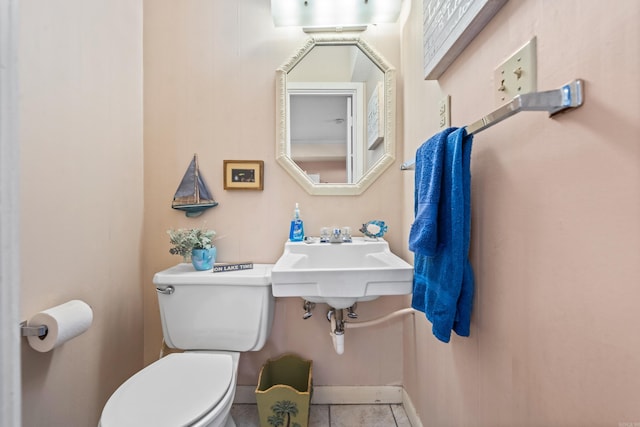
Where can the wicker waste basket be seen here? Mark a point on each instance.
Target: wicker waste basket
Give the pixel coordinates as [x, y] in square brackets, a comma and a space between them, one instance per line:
[284, 392]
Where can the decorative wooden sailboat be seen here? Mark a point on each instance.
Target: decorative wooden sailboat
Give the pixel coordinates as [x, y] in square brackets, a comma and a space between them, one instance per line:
[193, 195]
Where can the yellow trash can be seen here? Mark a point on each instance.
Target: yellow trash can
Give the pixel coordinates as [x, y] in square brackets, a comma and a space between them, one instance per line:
[284, 392]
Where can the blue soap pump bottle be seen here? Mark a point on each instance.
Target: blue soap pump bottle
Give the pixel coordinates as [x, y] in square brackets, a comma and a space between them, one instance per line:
[296, 232]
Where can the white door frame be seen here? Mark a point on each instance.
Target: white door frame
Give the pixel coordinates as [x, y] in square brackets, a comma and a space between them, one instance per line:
[351, 160]
[354, 89]
[10, 387]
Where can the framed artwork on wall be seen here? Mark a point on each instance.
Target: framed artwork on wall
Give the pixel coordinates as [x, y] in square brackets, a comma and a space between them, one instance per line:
[449, 26]
[243, 174]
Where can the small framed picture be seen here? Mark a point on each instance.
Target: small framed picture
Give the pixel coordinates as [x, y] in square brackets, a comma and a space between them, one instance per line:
[243, 174]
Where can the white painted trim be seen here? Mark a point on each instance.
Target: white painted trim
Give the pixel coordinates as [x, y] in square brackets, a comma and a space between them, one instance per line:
[338, 395]
[335, 395]
[410, 410]
[10, 386]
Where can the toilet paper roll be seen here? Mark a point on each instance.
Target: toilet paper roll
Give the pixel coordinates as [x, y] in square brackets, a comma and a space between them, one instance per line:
[64, 322]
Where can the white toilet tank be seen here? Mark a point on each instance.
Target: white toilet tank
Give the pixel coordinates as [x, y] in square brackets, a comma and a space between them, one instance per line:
[202, 310]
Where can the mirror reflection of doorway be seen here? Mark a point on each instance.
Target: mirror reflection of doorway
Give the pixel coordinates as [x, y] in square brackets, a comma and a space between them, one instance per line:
[325, 136]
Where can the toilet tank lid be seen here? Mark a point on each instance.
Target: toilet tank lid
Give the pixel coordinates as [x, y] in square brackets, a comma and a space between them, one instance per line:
[178, 389]
[185, 274]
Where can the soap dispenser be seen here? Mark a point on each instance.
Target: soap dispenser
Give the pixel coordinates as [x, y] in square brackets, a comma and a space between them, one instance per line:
[296, 232]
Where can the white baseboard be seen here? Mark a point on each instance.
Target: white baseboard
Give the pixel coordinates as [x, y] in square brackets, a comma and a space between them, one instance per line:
[410, 410]
[347, 395]
[337, 395]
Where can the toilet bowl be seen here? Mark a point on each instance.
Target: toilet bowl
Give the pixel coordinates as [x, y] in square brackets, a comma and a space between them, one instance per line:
[214, 317]
[194, 389]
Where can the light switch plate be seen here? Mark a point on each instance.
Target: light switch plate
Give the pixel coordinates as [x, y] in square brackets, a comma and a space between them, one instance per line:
[516, 75]
[444, 110]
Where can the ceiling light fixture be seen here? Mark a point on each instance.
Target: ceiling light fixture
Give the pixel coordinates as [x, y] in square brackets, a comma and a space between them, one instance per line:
[334, 13]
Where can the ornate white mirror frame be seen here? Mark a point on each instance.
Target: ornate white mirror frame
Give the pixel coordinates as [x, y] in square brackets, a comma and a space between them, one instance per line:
[282, 137]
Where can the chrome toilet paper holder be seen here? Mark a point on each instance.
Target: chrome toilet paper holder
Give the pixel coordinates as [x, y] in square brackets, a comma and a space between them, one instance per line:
[33, 331]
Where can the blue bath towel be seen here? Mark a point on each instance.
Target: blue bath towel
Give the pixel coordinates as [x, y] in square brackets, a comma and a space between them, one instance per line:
[423, 238]
[443, 278]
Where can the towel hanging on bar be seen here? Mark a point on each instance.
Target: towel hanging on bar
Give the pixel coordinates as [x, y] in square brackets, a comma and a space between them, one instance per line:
[569, 96]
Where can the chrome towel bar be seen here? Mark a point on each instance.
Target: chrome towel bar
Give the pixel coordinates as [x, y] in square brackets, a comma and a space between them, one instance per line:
[569, 96]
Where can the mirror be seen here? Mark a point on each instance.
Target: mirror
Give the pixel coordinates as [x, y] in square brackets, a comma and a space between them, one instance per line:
[335, 115]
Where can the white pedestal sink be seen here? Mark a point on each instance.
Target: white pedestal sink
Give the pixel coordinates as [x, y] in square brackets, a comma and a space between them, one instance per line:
[340, 274]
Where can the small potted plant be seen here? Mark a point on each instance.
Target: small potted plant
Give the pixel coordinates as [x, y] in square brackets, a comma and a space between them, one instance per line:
[195, 245]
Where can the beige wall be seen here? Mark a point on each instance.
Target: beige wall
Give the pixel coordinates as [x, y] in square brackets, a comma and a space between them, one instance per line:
[555, 206]
[555, 230]
[209, 80]
[81, 198]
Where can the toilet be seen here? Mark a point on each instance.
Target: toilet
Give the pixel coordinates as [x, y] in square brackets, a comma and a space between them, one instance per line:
[213, 317]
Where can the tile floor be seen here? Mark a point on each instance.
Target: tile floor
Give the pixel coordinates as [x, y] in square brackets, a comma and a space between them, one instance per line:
[246, 415]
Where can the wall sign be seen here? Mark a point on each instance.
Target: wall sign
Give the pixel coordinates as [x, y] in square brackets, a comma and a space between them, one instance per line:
[449, 26]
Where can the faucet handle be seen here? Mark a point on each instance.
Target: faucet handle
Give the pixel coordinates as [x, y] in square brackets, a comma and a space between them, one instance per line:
[346, 234]
[325, 234]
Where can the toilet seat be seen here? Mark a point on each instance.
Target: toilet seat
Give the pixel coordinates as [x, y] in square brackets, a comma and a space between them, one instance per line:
[177, 390]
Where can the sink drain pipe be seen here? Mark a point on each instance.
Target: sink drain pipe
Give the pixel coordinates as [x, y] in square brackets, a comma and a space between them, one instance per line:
[337, 329]
[338, 325]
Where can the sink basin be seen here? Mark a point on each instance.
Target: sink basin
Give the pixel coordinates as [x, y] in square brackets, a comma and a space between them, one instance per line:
[340, 274]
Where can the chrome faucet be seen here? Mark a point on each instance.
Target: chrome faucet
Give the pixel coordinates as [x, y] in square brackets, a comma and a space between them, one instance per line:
[335, 235]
